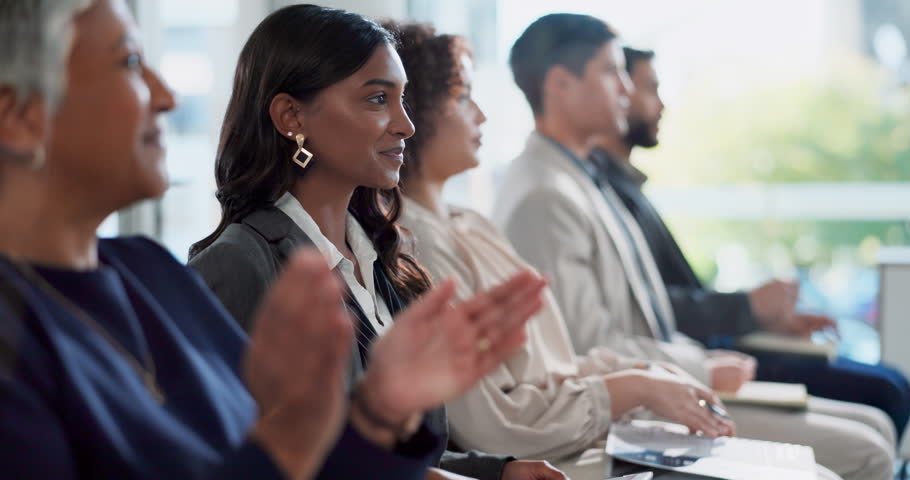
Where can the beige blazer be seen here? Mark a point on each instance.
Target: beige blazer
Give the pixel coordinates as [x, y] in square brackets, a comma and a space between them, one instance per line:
[560, 222]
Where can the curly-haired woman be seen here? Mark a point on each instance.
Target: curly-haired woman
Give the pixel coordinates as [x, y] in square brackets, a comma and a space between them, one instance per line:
[544, 401]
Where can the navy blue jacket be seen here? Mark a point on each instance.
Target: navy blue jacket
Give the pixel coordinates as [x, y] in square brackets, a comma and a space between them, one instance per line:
[72, 407]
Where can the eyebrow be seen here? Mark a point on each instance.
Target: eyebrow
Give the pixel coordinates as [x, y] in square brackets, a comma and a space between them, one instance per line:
[381, 82]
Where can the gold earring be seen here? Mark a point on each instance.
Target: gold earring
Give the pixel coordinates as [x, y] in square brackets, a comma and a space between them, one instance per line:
[309, 156]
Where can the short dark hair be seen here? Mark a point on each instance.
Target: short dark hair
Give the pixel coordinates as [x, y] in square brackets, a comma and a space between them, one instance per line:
[566, 39]
[634, 55]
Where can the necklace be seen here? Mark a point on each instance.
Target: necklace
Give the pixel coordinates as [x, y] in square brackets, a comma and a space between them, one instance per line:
[145, 369]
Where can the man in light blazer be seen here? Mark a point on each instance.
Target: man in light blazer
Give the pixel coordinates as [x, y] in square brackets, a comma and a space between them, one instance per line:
[563, 217]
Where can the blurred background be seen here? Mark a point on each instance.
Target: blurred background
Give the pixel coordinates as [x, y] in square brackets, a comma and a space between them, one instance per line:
[785, 145]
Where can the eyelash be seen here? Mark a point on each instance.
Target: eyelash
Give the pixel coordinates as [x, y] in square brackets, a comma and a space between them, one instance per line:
[382, 99]
[133, 61]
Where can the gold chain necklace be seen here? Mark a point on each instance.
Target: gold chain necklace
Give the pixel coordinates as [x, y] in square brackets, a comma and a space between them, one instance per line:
[146, 369]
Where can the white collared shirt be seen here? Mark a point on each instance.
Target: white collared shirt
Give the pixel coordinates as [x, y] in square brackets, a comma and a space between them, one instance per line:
[364, 252]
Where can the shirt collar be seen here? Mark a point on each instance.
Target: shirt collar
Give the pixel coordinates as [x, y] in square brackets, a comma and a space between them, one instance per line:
[586, 166]
[614, 167]
[360, 243]
[357, 238]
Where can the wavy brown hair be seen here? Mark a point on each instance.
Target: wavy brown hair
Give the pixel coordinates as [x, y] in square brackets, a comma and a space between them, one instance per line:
[432, 63]
[301, 50]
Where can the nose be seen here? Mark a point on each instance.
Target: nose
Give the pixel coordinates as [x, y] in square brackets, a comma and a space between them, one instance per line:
[401, 125]
[481, 117]
[162, 97]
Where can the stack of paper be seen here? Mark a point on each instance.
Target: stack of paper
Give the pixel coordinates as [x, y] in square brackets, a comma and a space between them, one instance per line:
[665, 446]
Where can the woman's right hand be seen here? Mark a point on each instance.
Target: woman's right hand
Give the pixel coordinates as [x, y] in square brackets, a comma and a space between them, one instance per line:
[674, 397]
[295, 364]
[435, 351]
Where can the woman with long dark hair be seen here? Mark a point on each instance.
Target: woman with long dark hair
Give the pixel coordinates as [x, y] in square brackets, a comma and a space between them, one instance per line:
[310, 149]
[115, 360]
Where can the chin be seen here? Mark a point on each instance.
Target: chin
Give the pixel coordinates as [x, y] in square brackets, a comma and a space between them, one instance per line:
[468, 165]
[473, 159]
[389, 182]
[154, 184]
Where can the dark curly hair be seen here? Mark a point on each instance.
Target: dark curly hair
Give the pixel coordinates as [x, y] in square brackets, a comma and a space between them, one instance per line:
[301, 50]
[432, 64]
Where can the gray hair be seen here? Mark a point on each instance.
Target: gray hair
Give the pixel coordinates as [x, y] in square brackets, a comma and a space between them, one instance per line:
[35, 38]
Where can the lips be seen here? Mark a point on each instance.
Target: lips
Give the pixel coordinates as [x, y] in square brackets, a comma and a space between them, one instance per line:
[396, 153]
[152, 137]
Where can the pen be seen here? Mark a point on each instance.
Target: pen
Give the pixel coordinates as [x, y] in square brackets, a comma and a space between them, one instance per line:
[831, 335]
[717, 410]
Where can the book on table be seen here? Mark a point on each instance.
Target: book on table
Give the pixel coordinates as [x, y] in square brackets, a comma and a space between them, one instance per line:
[789, 396]
[776, 343]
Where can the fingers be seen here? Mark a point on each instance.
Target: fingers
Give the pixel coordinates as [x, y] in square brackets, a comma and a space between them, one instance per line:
[301, 331]
[498, 317]
[432, 304]
[816, 322]
[509, 336]
[500, 351]
[305, 290]
[711, 423]
[499, 294]
[699, 419]
[503, 319]
[510, 307]
[708, 395]
[304, 271]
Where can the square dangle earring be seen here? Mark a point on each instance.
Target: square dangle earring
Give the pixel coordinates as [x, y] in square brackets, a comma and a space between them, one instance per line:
[309, 156]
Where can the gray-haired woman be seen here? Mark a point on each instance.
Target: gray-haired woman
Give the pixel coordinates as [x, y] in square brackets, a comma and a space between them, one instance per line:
[115, 360]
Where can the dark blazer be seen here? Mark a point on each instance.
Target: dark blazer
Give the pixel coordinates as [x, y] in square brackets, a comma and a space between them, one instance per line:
[700, 312]
[247, 257]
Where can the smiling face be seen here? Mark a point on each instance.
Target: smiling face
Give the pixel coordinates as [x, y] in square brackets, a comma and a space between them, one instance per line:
[356, 128]
[105, 140]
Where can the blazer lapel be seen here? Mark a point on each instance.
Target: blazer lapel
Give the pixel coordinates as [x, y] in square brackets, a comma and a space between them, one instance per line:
[611, 223]
[281, 231]
[286, 237]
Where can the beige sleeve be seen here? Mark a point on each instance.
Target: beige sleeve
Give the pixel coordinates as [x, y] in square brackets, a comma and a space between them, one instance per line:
[506, 414]
[555, 236]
